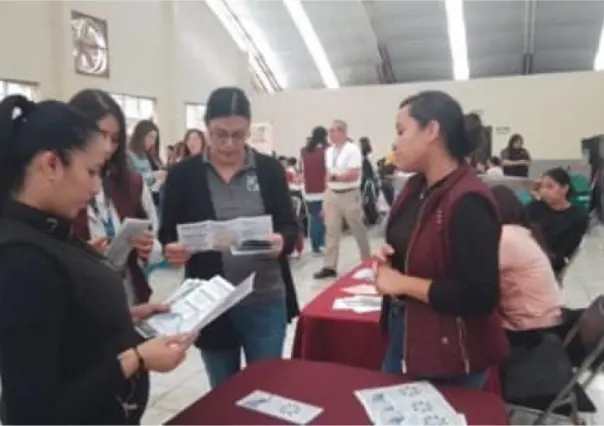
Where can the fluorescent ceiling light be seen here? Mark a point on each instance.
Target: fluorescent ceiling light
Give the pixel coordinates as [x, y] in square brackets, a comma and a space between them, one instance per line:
[250, 39]
[314, 46]
[457, 39]
[599, 59]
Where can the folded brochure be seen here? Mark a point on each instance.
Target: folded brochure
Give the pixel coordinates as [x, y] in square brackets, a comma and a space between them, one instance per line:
[194, 305]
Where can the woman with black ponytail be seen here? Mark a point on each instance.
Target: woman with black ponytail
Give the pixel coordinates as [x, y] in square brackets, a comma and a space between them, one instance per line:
[69, 352]
[439, 271]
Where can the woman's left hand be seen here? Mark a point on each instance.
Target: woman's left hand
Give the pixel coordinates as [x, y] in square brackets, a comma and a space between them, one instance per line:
[145, 310]
[277, 241]
[143, 245]
[388, 281]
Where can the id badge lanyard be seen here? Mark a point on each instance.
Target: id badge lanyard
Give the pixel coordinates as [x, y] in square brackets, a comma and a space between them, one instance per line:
[104, 213]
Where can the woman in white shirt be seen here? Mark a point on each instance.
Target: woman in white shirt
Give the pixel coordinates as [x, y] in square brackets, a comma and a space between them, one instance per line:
[124, 194]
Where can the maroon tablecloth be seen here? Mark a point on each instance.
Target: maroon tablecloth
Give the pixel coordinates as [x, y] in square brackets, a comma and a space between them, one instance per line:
[345, 337]
[326, 385]
[341, 336]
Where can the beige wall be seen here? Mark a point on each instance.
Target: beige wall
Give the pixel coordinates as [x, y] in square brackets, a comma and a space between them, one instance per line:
[553, 112]
[173, 51]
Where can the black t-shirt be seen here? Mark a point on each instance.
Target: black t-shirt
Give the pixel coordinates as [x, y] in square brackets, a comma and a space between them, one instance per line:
[516, 154]
[562, 230]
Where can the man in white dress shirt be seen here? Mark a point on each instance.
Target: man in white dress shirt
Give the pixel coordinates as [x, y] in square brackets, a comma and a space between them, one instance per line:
[343, 162]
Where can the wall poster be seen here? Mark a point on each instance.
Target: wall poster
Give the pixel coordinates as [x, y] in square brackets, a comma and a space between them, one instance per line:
[261, 137]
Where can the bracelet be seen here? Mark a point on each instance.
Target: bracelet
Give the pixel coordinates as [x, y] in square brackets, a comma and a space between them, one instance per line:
[141, 360]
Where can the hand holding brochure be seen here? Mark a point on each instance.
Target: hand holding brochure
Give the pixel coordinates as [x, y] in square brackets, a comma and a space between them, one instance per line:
[195, 305]
[121, 245]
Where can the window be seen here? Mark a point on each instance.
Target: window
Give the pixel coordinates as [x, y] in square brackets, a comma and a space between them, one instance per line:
[11, 87]
[136, 108]
[195, 114]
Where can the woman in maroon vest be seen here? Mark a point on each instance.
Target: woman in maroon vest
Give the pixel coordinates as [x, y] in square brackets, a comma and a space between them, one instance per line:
[313, 171]
[439, 270]
[123, 195]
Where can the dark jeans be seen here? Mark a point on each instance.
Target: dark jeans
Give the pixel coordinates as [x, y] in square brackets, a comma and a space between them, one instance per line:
[260, 328]
[394, 353]
[317, 226]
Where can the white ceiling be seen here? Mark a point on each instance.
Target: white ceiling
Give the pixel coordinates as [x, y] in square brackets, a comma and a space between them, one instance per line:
[380, 41]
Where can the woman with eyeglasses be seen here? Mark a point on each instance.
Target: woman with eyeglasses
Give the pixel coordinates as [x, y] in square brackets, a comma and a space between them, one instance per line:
[231, 180]
[69, 352]
[123, 194]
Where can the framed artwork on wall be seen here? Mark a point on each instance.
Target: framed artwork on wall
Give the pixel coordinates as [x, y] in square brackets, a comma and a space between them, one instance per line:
[90, 45]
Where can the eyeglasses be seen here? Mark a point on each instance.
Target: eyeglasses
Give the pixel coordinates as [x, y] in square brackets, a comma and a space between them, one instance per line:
[221, 137]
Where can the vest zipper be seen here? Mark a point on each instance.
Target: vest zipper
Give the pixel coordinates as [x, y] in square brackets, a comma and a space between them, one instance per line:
[407, 255]
[461, 330]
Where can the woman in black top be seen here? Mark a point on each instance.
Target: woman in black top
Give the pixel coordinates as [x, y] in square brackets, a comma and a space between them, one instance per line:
[516, 160]
[69, 353]
[563, 225]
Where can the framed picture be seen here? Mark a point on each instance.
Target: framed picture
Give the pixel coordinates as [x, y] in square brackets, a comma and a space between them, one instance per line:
[90, 45]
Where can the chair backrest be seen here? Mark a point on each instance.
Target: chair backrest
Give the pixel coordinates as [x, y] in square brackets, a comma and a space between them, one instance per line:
[590, 327]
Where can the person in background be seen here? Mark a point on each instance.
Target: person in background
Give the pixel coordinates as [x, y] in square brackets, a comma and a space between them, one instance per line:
[494, 168]
[439, 269]
[70, 352]
[386, 171]
[123, 194]
[530, 294]
[231, 180]
[369, 184]
[180, 153]
[195, 142]
[562, 224]
[390, 159]
[296, 191]
[516, 160]
[142, 152]
[170, 154]
[343, 163]
[368, 172]
[312, 162]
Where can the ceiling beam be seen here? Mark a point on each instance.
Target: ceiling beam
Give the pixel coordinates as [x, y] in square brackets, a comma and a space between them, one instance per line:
[384, 69]
[530, 22]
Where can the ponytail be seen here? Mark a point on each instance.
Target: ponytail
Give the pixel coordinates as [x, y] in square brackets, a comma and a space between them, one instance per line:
[14, 111]
[28, 128]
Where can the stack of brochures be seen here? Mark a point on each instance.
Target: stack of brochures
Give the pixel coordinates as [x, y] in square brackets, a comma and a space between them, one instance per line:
[194, 305]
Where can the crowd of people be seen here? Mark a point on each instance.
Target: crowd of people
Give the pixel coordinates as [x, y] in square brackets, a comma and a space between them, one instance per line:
[465, 270]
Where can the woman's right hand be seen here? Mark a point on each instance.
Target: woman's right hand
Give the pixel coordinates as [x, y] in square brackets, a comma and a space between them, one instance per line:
[176, 254]
[164, 354]
[99, 244]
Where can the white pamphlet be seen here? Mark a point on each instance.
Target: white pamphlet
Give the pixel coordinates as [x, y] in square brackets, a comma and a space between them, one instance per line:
[211, 235]
[359, 304]
[121, 245]
[364, 274]
[286, 409]
[361, 289]
[417, 403]
[195, 305]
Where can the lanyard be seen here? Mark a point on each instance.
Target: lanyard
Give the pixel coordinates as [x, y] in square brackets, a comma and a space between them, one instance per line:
[106, 216]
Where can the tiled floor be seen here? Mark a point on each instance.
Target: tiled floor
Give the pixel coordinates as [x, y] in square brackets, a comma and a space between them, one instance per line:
[172, 392]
